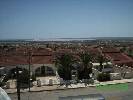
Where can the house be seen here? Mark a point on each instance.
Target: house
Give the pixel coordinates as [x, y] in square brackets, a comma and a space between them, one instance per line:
[23, 57]
[116, 56]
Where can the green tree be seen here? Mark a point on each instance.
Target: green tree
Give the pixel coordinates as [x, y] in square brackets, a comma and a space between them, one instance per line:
[123, 49]
[24, 76]
[64, 66]
[101, 59]
[86, 66]
[130, 52]
[103, 77]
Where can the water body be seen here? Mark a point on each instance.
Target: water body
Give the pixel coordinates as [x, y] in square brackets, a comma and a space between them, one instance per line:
[67, 39]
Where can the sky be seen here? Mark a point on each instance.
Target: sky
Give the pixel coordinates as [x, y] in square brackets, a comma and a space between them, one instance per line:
[39, 19]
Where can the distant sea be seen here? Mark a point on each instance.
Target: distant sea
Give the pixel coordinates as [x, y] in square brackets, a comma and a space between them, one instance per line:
[47, 39]
[67, 39]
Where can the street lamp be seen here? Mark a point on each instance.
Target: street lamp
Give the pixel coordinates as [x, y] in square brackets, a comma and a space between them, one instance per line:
[18, 82]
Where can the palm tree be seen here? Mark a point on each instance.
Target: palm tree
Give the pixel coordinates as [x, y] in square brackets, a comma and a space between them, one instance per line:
[101, 59]
[64, 66]
[86, 66]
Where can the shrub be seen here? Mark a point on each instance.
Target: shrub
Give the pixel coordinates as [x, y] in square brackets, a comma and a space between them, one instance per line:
[24, 77]
[33, 77]
[103, 77]
[2, 84]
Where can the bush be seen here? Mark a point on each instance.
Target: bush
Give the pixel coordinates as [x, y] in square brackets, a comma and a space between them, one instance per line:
[33, 77]
[65, 74]
[2, 84]
[103, 77]
[3, 80]
[24, 77]
[84, 74]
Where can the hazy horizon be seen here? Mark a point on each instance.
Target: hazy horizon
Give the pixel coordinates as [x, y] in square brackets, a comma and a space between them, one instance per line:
[56, 39]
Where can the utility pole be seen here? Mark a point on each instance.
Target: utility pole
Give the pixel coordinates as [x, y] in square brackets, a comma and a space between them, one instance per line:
[18, 83]
[29, 68]
[29, 61]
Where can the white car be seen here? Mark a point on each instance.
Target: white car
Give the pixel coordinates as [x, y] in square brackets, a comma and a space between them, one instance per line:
[3, 95]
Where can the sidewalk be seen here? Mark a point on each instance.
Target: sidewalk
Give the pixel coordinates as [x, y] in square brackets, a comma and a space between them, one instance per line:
[72, 86]
[35, 89]
[116, 82]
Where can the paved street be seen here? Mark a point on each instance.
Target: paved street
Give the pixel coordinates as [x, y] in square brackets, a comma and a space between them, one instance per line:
[53, 95]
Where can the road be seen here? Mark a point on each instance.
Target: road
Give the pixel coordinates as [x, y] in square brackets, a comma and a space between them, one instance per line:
[53, 95]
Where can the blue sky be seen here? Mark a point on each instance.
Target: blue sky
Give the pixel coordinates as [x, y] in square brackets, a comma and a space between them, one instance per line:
[20, 19]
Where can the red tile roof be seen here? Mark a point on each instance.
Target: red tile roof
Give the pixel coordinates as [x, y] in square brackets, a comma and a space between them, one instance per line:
[38, 56]
[110, 50]
[116, 56]
[15, 60]
[64, 51]
[119, 58]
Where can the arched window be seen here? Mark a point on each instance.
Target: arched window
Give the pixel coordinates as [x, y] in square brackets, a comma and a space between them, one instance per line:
[44, 71]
